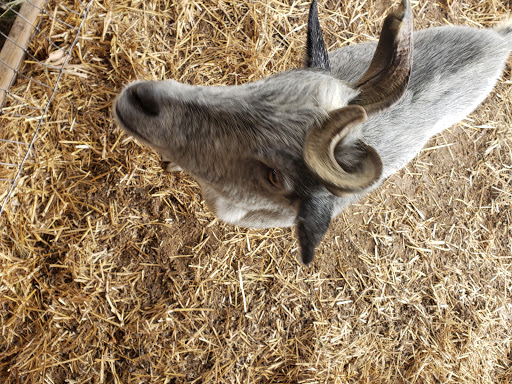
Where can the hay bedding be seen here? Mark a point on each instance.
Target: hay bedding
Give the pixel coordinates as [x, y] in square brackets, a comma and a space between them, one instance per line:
[112, 271]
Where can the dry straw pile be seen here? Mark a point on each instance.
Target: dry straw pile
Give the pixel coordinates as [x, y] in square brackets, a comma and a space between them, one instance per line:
[113, 271]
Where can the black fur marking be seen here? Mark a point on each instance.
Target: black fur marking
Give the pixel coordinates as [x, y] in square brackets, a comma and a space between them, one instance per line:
[312, 222]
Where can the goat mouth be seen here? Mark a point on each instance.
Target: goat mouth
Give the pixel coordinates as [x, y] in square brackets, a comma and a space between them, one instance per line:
[119, 117]
[122, 122]
[125, 126]
[128, 128]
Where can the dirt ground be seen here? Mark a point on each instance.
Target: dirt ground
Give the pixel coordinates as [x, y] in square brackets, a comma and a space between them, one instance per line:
[112, 271]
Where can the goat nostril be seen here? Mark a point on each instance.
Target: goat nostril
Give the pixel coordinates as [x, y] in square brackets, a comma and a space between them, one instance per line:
[142, 97]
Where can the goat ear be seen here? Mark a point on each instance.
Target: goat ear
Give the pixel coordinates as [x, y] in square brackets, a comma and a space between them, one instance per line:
[317, 56]
[313, 221]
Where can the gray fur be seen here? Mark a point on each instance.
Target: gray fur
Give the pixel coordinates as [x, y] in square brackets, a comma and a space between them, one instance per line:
[229, 137]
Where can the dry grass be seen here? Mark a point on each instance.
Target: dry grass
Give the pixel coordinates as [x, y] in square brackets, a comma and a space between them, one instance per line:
[112, 271]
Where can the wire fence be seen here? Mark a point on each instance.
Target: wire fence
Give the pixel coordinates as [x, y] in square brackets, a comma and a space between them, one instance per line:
[28, 50]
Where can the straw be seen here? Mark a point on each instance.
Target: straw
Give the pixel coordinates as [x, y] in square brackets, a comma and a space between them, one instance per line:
[112, 271]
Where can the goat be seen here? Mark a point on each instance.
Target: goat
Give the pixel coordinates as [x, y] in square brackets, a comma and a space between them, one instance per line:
[298, 147]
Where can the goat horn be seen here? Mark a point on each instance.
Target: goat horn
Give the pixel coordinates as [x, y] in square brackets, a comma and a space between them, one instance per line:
[387, 78]
[381, 86]
[323, 163]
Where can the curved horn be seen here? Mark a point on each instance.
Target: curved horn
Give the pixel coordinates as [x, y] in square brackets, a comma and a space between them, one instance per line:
[387, 78]
[319, 153]
[381, 86]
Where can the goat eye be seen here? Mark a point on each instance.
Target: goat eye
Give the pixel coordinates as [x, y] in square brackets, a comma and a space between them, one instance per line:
[273, 178]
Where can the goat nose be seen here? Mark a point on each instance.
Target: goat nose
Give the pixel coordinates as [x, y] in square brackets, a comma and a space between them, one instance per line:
[142, 96]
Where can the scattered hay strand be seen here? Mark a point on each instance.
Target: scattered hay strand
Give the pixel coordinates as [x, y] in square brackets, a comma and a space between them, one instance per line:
[112, 271]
